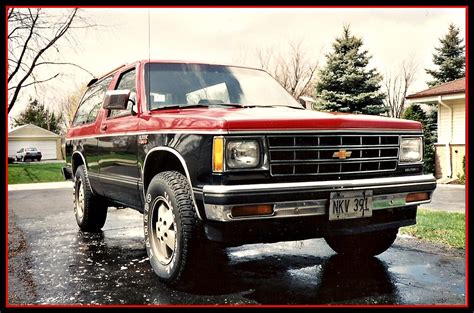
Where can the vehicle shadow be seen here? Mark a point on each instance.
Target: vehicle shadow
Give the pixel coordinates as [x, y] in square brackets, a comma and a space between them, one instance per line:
[363, 281]
[270, 277]
[293, 279]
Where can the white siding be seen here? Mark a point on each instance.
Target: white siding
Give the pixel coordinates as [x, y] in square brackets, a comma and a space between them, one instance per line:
[459, 125]
[444, 127]
[455, 132]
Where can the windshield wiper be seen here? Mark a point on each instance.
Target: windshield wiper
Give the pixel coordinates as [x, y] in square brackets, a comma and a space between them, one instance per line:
[286, 106]
[200, 105]
[214, 105]
[178, 106]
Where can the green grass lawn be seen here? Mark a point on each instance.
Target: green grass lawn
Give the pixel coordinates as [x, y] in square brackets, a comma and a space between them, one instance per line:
[442, 227]
[34, 173]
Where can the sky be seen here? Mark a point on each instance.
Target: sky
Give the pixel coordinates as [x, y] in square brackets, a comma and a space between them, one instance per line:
[232, 36]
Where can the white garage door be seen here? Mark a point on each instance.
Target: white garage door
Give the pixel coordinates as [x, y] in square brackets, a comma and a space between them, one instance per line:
[47, 147]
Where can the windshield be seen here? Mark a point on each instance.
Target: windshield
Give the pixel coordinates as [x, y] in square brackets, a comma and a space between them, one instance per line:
[171, 84]
[31, 149]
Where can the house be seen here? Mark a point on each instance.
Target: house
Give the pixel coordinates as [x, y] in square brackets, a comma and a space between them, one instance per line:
[450, 99]
[307, 102]
[31, 135]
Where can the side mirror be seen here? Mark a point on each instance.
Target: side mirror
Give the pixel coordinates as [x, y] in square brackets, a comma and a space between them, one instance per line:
[116, 99]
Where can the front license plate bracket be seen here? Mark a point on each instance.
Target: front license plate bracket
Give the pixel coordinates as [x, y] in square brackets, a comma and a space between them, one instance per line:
[350, 204]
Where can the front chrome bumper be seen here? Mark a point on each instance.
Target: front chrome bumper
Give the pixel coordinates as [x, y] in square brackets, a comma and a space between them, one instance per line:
[310, 198]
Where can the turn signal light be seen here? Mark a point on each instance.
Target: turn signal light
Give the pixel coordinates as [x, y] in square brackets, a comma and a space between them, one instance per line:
[218, 154]
[419, 196]
[248, 210]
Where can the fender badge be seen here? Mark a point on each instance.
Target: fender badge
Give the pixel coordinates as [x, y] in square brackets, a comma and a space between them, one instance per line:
[143, 139]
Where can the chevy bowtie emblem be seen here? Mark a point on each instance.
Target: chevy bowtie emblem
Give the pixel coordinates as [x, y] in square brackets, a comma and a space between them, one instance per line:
[342, 154]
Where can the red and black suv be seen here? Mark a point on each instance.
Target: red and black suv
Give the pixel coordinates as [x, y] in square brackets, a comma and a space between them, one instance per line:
[217, 153]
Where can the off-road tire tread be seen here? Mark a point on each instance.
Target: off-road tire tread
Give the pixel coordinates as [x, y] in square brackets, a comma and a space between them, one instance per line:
[179, 185]
[95, 207]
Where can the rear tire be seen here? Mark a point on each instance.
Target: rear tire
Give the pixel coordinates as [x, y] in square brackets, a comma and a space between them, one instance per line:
[170, 226]
[90, 210]
[364, 244]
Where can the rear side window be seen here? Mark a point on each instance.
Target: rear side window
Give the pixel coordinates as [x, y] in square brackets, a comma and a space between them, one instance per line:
[91, 103]
[126, 82]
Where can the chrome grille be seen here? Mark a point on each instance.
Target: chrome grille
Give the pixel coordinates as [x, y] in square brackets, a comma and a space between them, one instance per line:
[319, 154]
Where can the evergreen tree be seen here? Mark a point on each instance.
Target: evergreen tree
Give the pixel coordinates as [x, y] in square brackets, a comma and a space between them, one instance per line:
[345, 84]
[38, 115]
[449, 58]
[429, 124]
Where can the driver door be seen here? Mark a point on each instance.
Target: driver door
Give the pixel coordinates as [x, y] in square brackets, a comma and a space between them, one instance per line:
[118, 167]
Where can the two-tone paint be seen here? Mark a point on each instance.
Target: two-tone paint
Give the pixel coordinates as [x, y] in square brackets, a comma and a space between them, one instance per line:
[123, 153]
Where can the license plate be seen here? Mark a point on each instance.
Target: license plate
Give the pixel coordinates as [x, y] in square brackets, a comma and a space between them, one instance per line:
[350, 204]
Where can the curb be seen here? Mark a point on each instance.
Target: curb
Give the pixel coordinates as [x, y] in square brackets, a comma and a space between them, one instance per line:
[39, 186]
[454, 186]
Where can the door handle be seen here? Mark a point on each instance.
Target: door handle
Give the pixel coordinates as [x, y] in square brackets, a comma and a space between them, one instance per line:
[103, 127]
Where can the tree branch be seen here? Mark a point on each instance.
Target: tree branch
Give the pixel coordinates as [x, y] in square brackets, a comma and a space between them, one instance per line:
[65, 63]
[25, 45]
[36, 82]
[62, 30]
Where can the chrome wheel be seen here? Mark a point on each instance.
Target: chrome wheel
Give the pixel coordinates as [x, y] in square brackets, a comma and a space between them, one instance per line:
[90, 209]
[163, 230]
[80, 200]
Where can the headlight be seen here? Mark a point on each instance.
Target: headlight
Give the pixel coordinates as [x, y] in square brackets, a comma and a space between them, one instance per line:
[411, 150]
[242, 154]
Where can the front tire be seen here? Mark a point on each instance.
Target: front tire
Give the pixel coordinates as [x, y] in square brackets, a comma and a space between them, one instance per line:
[90, 210]
[364, 244]
[170, 225]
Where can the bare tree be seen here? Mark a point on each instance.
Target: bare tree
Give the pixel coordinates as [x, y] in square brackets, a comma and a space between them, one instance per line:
[294, 71]
[396, 87]
[69, 104]
[32, 35]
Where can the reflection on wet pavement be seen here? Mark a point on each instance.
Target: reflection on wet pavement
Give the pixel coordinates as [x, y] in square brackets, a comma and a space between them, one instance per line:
[111, 267]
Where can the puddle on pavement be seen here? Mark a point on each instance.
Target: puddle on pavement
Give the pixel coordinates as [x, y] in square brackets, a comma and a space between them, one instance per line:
[419, 272]
[112, 268]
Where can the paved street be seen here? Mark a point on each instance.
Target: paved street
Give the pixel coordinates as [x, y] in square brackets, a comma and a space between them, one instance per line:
[450, 198]
[52, 262]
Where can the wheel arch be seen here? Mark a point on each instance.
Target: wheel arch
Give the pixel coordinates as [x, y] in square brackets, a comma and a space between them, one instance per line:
[78, 159]
[161, 159]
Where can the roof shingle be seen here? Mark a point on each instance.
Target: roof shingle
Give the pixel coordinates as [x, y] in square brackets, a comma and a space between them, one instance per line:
[455, 86]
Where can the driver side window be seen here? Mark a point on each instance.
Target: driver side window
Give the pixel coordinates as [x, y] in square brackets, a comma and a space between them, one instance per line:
[126, 81]
[91, 103]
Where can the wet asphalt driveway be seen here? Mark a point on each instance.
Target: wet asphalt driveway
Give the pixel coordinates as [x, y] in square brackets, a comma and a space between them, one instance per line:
[52, 262]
